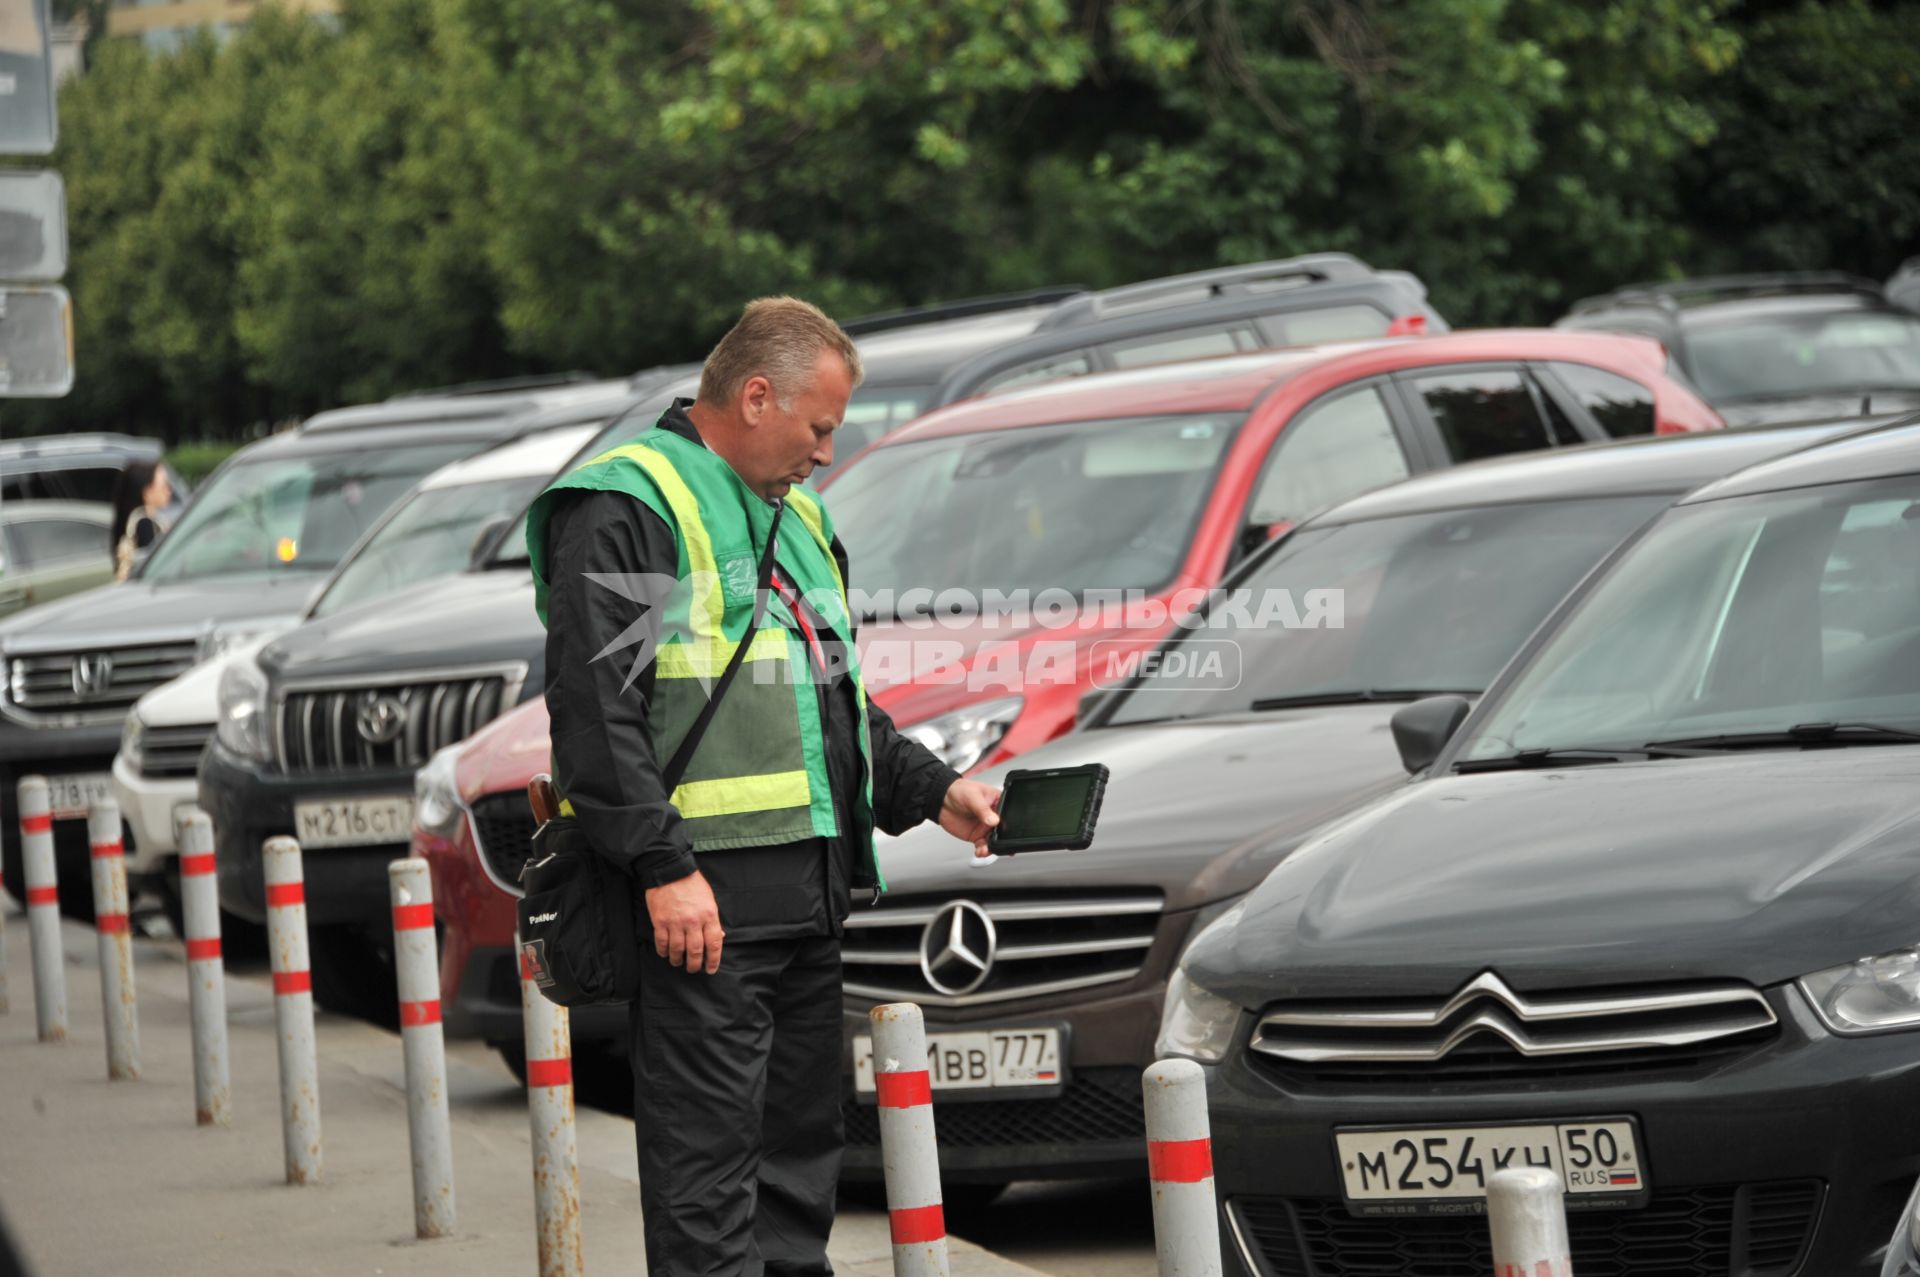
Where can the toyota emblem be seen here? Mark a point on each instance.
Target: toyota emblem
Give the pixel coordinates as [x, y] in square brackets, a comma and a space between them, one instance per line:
[956, 949]
[381, 719]
[92, 674]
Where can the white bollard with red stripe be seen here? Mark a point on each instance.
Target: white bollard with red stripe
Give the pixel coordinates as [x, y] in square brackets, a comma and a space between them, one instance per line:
[556, 1158]
[206, 971]
[110, 910]
[417, 970]
[43, 910]
[1527, 1214]
[5, 1004]
[909, 1156]
[293, 1009]
[1186, 1223]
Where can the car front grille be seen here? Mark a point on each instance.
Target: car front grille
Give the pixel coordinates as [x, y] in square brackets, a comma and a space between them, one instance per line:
[1101, 1104]
[1041, 946]
[393, 725]
[1487, 1032]
[99, 681]
[170, 752]
[503, 833]
[1747, 1230]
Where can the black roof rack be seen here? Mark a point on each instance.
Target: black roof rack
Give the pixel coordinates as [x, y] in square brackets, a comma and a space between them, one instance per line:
[1671, 295]
[963, 309]
[499, 386]
[1196, 286]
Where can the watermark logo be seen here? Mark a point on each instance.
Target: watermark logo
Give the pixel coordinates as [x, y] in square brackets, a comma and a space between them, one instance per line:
[1197, 665]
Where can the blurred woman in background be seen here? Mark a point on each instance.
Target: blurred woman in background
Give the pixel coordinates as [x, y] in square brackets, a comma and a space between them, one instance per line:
[142, 494]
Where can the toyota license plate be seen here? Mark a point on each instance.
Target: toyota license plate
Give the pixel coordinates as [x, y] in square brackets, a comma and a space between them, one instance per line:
[70, 796]
[987, 1059]
[353, 822]
[1444, 1170]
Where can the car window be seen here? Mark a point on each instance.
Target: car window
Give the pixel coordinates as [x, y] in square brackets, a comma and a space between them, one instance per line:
[1755, 614]
[1804, 353]
[1621, 405]
[1482, 412]
[83, 483]
[1337, 447]
[1324, 323]
[1088, 505]
[872, 412]
[1435, 601]
[45, 542]
[23, 486]
[1193, 343]
[298, 513]
[1053, 368]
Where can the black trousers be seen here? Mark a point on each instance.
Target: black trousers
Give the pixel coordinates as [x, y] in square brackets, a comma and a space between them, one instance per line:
[736, 1088]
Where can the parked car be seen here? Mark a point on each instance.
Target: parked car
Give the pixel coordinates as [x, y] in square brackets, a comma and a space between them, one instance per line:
[80, 467]
[50, 549]
[1903, 1251]
[1159, 480]
[244, 558]
[1498, 543]
[1648, 919]
[455, 516]
[1781, 347]
[1296, 301]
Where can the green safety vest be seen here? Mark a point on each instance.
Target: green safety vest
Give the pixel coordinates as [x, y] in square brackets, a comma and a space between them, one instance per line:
[759, 775]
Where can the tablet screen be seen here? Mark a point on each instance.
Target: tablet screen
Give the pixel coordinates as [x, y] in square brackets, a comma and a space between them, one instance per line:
[1045, 806]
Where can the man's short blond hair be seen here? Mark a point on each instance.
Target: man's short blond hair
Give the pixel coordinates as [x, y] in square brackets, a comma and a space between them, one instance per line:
[779, 338]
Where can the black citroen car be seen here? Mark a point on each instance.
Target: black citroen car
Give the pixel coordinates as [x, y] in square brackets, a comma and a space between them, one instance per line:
[1216, 775]
[1650, 917]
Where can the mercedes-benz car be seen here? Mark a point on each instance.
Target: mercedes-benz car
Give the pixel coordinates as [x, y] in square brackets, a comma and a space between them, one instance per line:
[1650, 917]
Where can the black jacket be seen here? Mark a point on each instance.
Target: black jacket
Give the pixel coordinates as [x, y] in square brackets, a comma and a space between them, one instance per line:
[605, 762]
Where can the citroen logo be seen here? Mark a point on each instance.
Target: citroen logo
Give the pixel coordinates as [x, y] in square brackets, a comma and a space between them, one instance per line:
[956, 949]
[92, 674]
[380, 720]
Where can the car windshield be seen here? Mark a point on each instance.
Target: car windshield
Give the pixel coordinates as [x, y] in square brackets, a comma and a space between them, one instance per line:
[1089, 505]
[291, 514]
[433, 533]
[1811, 352]
[1426, 603]
[1752, 615]
[872, 412]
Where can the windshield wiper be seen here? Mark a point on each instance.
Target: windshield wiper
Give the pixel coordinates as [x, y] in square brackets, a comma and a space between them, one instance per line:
[1800, 734]
[1369, 696]
[1522, 759]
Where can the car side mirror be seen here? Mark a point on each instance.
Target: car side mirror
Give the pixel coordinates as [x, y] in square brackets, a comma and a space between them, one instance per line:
[487, 539]
[1421, 730]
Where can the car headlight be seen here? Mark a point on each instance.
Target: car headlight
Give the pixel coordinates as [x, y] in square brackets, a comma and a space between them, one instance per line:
[1880, 994]
[131, 735]
[962, 738]
[436, 794]
[1196, 1022]
[220, 642]
[241, 724]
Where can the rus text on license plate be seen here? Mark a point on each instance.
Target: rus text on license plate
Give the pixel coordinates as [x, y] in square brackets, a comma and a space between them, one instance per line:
[1444, 1170]
[69, 796]
[353, 822]
[985, 1059]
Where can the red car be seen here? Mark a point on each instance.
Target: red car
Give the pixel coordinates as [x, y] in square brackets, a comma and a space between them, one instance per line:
[1016, 552]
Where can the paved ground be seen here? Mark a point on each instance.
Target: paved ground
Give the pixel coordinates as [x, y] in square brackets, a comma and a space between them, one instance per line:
[100, 1178]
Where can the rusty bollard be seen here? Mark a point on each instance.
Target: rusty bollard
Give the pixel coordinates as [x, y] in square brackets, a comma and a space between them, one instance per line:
[909, 1154]
[556, 1159]
[293, 1010]
[206, 971]
[43, 910]
[110, 919]
[417, 972]
[1186, 1225]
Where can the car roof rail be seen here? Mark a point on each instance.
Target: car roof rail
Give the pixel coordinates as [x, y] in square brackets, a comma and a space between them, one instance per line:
[1673, 294]
[966, 308]
[499, 385]
[1197, 286]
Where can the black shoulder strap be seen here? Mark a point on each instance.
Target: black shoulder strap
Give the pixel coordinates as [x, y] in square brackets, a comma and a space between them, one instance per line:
[684, 755]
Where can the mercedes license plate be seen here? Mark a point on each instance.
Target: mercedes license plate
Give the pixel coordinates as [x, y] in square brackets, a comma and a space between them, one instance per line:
[986, 1059]
[70, 796]
[353, 822]
[1444, 1170]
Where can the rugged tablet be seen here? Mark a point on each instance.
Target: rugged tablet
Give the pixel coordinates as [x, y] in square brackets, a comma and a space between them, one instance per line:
[1048, 809]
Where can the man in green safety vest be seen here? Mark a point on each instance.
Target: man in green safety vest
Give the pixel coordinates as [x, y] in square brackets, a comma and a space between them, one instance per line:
[649, 561]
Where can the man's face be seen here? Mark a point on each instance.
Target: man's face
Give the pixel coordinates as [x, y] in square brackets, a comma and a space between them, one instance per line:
[787, 446]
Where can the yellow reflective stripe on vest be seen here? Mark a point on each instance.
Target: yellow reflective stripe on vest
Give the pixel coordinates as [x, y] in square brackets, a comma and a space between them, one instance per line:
[708, 658]
[804, 505]
[708, 605]
[733, 794]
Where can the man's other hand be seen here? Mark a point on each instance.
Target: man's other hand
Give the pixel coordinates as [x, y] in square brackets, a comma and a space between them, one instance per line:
[686, 923]
[968, 813]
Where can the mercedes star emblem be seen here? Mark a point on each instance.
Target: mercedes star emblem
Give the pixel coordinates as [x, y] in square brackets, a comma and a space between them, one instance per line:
[956, 949]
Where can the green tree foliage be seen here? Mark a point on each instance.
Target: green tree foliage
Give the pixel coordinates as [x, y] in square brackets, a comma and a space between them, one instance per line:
[435, 190]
